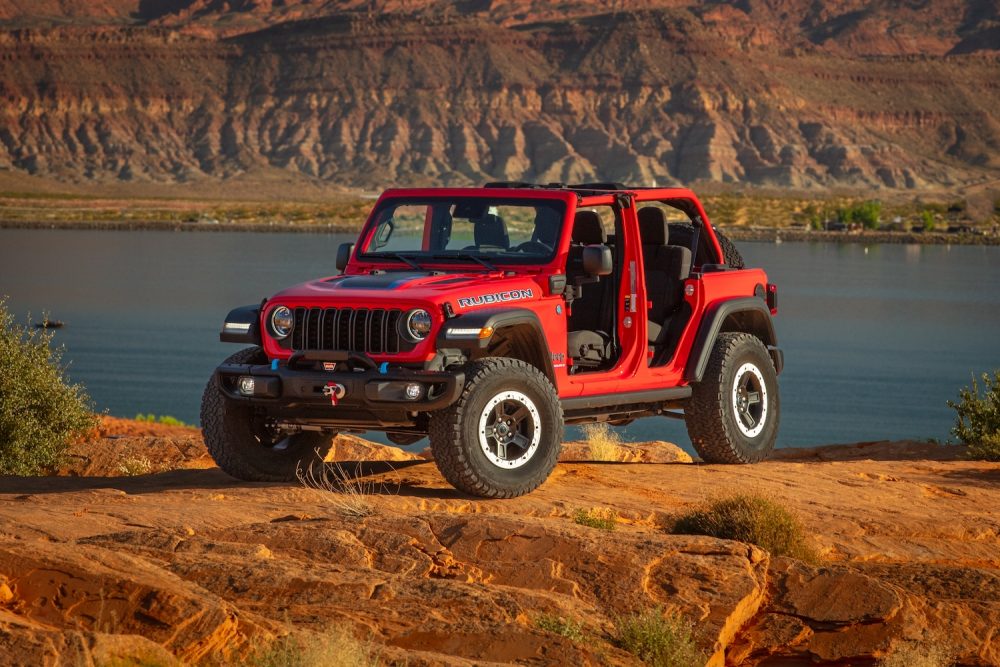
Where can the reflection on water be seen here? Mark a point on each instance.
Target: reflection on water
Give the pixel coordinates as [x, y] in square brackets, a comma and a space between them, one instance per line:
[875, 342]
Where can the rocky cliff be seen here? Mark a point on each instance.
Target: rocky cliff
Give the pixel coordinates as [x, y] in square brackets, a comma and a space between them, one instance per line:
[364, 93]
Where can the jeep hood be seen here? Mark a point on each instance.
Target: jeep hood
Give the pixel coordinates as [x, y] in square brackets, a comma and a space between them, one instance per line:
[464, 289]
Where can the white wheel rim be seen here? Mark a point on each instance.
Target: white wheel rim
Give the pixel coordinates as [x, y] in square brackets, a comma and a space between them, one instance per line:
[749, 400]
[509, 430]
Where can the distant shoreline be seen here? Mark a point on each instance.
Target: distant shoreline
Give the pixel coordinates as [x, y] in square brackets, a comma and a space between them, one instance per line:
[735, 233]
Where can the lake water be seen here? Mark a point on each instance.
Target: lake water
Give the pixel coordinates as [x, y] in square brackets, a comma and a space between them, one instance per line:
[876, 339]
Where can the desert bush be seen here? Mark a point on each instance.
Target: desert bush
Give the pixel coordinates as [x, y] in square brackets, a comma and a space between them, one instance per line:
[919, 654]
[602, 442]
[603, 518]
[564, 627]
[749, 518]
[659, 639]
[335, 647]
[40, 411]
[977, 419]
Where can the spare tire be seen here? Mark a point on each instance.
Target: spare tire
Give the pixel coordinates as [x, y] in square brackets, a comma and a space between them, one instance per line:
[681, 234]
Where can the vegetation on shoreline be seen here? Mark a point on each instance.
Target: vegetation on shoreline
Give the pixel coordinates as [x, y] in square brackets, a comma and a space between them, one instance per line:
[41, 413]
[977, 419]
[346, 213]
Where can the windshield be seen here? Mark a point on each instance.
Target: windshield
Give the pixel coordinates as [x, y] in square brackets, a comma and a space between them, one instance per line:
[468, 229]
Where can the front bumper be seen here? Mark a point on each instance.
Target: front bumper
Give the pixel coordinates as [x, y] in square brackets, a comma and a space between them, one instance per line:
[367, 397]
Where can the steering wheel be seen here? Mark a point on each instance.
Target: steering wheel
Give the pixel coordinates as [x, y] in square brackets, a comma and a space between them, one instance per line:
[533, 247]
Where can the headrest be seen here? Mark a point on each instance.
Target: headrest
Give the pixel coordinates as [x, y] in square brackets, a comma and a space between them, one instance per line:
[546, 226]
[587, 228]
[653, 229]
[490, 230]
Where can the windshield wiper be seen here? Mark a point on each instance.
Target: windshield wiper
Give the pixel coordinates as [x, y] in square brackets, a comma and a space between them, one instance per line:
[465, 255]
[400, 256]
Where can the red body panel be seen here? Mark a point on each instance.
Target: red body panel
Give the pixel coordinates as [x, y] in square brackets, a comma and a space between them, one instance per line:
[632, 371]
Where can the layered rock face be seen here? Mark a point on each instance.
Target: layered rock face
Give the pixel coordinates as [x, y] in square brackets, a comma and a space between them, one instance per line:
[785, 93]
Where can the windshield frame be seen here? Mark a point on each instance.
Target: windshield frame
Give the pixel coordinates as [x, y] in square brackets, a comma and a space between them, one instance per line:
[440, 257]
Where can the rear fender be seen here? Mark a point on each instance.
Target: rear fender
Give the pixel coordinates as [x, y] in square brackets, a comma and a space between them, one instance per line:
[750, 314]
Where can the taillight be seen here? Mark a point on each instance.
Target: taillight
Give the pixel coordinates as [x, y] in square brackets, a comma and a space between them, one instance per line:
[772, 298]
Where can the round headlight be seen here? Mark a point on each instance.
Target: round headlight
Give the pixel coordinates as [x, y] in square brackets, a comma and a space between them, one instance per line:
[418, 324]
[282, 321]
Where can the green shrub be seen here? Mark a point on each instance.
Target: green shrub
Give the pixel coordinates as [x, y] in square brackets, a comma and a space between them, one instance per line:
[927, 218]
[977, 419]
[40, 412]
[564, 627]
[603, 518]
[659, 639]
[749, 518]
[866, 214]
[166, 420]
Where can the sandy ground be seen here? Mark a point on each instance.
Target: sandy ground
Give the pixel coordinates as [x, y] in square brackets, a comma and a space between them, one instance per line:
[187, 563]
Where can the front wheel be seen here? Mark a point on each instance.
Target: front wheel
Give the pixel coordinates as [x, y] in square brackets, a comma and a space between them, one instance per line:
[733, 413]
[243, 445]
[502, 437]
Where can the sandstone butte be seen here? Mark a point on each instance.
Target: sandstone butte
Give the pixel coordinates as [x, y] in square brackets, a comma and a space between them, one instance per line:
[185, 565]
[371, 94]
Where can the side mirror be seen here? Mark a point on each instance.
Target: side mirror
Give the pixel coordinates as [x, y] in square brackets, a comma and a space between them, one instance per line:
[344, 255]
[597, 260]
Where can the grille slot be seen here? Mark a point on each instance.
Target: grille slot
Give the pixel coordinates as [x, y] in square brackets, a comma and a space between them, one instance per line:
[369, 330]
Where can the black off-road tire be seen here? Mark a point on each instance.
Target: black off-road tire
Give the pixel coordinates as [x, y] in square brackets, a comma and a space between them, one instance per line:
[455, 436]
[681, 234]
[242, 447]
[718, 432]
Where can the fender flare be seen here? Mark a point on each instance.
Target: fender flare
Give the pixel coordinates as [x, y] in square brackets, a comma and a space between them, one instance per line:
[242, 316]
[462, 332]
[757, 314]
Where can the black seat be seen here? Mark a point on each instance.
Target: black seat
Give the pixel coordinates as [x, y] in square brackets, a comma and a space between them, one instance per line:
[667, 267]
[588, 344]
[490, 232]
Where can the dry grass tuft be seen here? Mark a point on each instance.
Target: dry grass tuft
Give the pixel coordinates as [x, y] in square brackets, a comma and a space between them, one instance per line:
[603, 444]
[564, 627]
[603, 518]
[334, 648]
[919, 654]
[133, 466]
[751, 518]
[350, 494]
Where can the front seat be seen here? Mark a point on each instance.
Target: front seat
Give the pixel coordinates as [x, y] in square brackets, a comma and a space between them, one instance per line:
[588, 342]
[667, 267]
[490, 233]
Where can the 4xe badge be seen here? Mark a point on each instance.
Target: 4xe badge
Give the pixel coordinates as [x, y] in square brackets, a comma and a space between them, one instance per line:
[496, 297]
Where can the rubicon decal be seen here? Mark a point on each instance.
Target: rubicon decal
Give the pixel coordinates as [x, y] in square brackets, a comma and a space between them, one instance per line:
[497, 297]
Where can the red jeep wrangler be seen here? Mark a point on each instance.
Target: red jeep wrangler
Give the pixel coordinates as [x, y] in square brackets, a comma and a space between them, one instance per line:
[486, 318]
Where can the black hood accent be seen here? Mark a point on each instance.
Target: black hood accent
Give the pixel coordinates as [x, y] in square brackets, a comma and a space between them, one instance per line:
[391, 280]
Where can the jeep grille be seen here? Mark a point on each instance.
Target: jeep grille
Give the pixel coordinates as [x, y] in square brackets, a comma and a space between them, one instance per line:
[371, 330]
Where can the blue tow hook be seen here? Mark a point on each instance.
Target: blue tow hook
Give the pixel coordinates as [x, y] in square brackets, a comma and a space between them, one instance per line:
[274, 364]
[383, 368]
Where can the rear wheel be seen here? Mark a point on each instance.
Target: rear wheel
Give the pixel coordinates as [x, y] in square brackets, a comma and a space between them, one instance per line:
[733, 413]
[502, 437]
[241, 441]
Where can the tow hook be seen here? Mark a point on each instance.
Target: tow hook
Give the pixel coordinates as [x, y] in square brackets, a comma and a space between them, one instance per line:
[334, 391]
